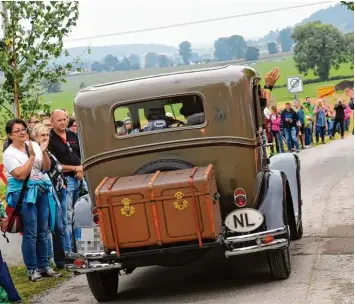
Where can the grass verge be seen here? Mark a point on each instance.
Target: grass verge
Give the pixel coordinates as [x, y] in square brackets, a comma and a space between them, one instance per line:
[28, 290]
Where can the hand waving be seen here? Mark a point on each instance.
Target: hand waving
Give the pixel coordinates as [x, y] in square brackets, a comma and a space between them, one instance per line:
[44, 144]
[272, 77]
[349, 93]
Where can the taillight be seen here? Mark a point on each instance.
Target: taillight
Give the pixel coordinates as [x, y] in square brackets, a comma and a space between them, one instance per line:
[80, 263]
[240, 198]
[95, 216]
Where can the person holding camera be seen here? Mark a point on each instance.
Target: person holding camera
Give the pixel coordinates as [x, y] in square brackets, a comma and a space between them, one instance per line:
[57, 240]
[339, 109]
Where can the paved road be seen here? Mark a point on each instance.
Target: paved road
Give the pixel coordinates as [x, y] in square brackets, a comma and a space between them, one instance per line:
[322, 261]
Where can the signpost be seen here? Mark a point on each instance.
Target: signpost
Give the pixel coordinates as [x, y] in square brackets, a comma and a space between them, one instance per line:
[294, 85]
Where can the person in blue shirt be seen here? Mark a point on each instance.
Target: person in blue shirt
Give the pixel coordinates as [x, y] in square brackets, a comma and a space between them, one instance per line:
[289, 120]
[321, 121]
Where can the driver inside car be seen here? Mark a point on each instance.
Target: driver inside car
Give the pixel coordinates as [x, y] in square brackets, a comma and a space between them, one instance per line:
[157, 120]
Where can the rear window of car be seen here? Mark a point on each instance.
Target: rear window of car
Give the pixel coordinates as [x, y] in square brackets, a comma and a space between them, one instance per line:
[157, 115]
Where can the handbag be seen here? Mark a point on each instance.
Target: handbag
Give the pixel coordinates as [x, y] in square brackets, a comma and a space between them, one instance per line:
[14, 214]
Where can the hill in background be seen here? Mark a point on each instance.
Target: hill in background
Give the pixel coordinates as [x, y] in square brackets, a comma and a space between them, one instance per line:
[338, 16]
[99, 52]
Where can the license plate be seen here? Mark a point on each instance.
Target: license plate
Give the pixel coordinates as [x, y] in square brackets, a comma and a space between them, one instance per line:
[244, 220]
[88, 239]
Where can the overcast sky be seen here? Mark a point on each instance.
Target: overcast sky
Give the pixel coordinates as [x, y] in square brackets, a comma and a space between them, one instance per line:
[112, 16]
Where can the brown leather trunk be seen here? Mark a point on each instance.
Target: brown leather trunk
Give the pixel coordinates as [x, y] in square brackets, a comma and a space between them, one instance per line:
[159, 209]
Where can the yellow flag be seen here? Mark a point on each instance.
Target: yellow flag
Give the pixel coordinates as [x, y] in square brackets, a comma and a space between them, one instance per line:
[326, 91]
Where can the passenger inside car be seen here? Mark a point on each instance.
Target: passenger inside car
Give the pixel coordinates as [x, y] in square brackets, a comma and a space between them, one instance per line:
[192, 110]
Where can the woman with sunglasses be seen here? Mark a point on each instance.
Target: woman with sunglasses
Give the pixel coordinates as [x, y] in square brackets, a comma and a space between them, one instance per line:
[21, 159]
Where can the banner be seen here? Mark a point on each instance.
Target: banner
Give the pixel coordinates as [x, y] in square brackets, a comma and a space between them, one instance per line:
[326, 91]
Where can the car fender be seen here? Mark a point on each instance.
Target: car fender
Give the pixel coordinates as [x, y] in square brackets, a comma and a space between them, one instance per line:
[272, 199]
[82, 216]
[289, 164]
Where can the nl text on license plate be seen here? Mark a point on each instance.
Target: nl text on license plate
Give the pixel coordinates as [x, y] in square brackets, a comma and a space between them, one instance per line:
[244, 220]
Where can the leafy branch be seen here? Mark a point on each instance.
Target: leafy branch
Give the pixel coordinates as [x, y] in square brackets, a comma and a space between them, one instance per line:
[349, 4]
[34, 33]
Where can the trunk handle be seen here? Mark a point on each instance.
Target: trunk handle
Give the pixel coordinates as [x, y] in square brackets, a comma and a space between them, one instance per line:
[195, 212]
[154, 207]
[115, 236]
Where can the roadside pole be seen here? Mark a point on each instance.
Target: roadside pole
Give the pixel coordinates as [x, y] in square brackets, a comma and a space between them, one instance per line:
[295, 98]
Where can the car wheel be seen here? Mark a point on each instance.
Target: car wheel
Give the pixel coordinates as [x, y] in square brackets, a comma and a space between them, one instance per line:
[280, 262]
[103, 284]
[297, 235]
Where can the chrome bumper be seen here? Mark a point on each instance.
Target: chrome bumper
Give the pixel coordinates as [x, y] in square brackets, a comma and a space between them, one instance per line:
[260, 244]
[89, 262]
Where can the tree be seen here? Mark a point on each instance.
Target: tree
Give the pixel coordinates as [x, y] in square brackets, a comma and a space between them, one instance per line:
[185, 51]
[319, 47]
[51, 87]
[272, 36]
[349, 4]
[285, 39]
[163, 61]
[55, 88]
[123, 65]
[97, 67]
[221, 49]
[135, 61]
[195, 57]
[151, 60]
[349, 49]
[110, 62]
[237, 47]
[252, 53]
[272, 48]
[33, 40]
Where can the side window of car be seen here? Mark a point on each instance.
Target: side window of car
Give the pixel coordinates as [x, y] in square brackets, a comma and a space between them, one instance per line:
[257, 103]
[159, 115]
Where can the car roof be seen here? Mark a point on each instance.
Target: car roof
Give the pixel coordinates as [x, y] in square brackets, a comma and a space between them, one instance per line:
[165, 84]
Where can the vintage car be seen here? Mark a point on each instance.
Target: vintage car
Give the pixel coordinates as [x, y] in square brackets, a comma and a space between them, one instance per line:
[177, 165]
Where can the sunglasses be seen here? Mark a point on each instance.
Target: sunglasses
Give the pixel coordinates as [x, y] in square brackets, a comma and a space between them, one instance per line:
[20, 131]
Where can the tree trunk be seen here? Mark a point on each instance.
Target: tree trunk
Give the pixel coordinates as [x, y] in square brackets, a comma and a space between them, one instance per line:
[324, 72]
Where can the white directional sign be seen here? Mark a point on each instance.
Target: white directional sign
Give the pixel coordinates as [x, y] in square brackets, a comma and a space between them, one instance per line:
[294, 84]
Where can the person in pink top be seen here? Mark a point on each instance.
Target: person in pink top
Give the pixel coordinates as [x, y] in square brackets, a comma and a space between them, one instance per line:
[347, 113]
[275, 118]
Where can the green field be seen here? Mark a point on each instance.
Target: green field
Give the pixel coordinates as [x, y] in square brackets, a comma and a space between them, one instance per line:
[287, 67]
